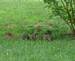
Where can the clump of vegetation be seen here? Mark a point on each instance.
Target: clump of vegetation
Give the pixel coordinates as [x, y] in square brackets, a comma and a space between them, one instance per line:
[65, 9]
[38, 31]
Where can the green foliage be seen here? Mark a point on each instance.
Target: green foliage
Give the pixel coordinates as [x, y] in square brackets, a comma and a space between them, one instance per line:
[39, 30]
[65, 9]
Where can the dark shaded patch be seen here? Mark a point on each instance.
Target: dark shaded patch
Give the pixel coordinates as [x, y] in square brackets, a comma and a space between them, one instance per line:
[8, 35]
[25, 36]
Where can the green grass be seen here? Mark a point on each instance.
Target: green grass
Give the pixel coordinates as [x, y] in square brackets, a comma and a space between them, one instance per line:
[57, 50]
[19, 13]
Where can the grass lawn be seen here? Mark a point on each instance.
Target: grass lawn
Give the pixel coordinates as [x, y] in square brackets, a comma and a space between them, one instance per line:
[58, 50]
[14, 16]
